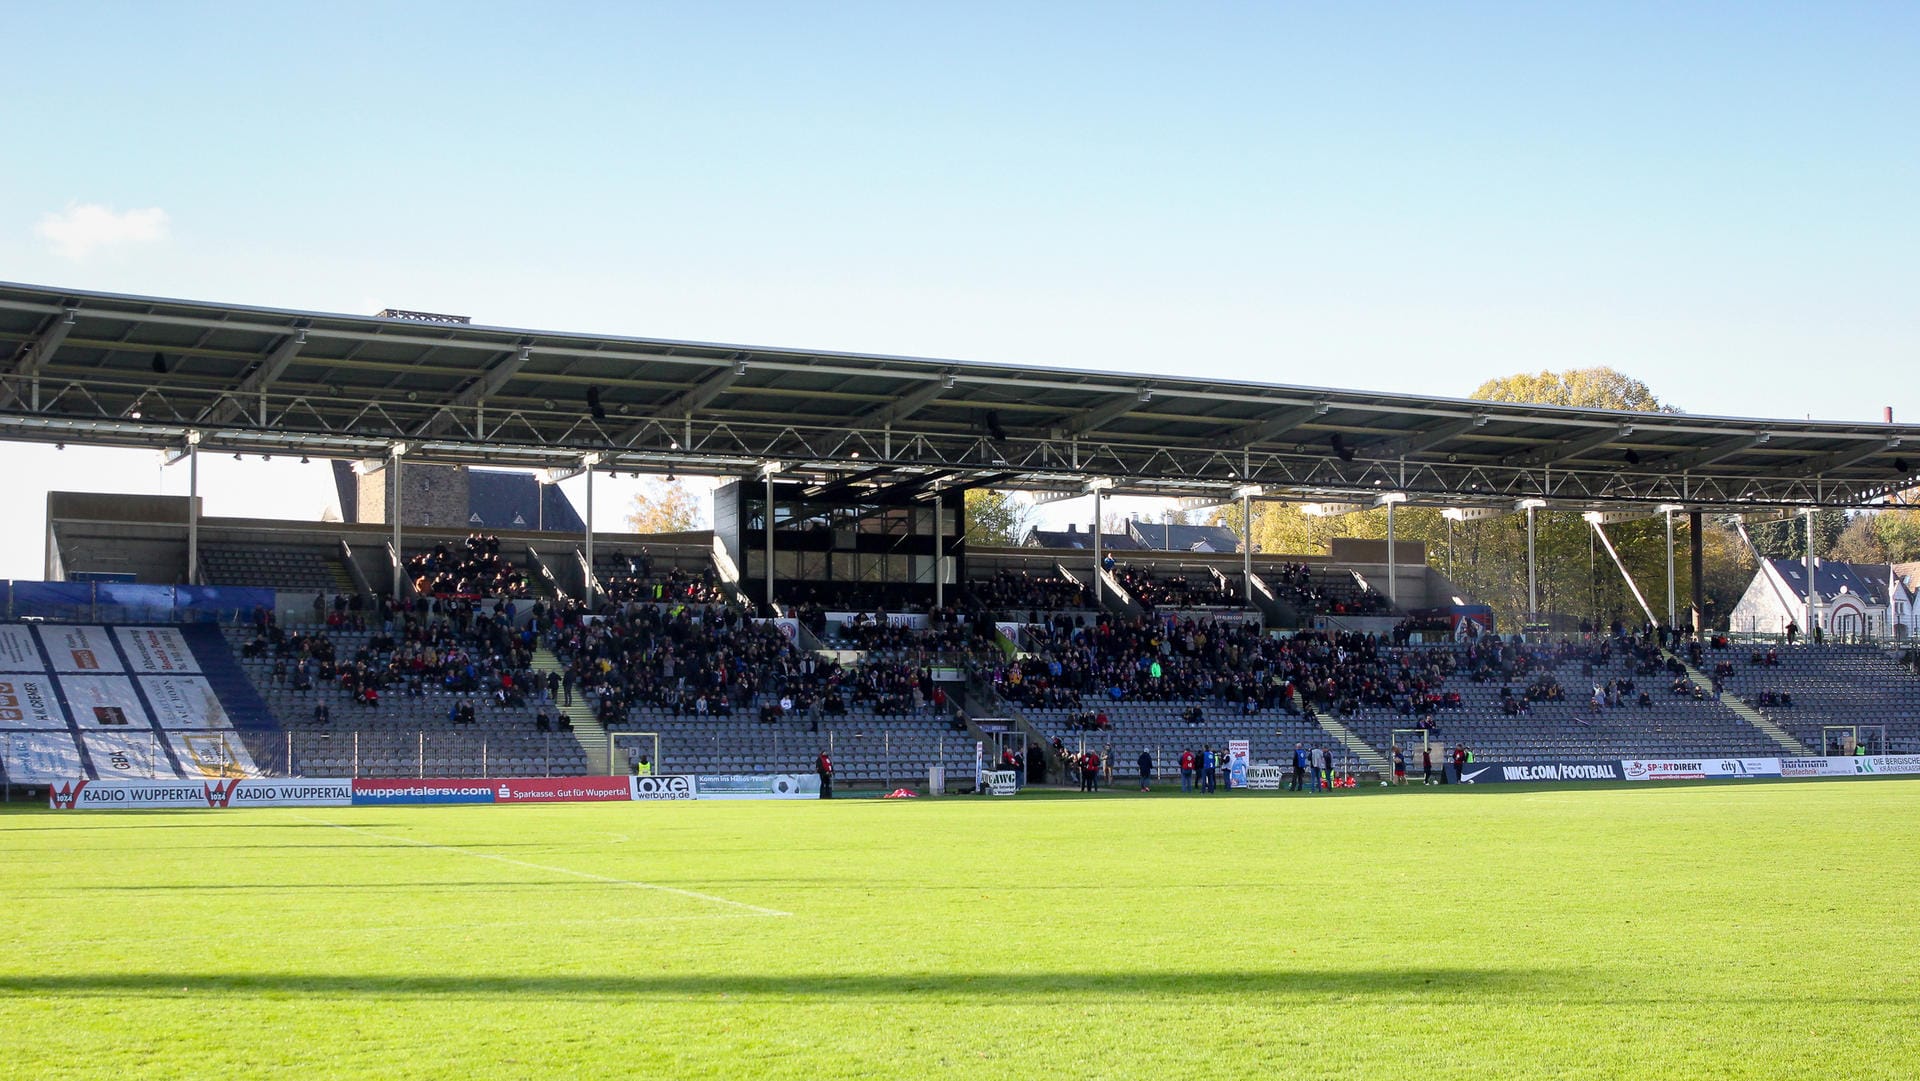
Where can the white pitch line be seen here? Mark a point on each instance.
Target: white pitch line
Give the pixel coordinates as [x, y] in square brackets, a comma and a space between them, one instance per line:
[555, 870]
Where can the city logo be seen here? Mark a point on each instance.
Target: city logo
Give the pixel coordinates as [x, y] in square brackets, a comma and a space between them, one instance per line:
[219, 793]
[66, 794]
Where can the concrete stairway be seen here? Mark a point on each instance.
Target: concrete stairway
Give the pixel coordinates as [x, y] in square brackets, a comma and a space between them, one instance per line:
[1747, 713]
[586, 726]
[1344, 736]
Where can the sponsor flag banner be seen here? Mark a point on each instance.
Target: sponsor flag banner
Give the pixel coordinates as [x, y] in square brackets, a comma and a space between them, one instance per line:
[1239, 757]
[104, 702]
[1694, 769]
[184, 702]
[18, 653]
[27, 701]
[79, 648]
[1002, 782]
[384, 790]
[130, 756]
[1563, 770]
[34, 757]
[561, 789]
[661, 787]
[757, 786]
[156, 650]
[212, 753]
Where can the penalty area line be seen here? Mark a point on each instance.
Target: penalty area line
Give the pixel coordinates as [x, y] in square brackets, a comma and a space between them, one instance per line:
[610, 880]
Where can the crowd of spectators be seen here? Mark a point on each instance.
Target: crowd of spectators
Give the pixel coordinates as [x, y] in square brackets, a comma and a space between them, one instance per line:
[1008, 591]
[713, 660]
[633, 581]
[1294, 584]
[1201, 590]
[1236, 665]
[946, 632]
[475, 569]
[460, 649]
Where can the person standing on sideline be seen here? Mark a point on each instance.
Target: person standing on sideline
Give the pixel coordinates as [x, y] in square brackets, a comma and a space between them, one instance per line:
[824, 767]
[1090, 771]
[1209, 766]
[1186, 770]
[1399, 765]
[1146, 767]
[1426, 764]
[1459, 763]
[1299, 767]
[1326, 767]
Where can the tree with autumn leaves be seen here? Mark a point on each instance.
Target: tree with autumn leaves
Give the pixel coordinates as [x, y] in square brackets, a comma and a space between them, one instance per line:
[1575, 579]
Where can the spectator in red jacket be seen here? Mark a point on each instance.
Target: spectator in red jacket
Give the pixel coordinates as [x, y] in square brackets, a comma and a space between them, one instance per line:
[1186, 770]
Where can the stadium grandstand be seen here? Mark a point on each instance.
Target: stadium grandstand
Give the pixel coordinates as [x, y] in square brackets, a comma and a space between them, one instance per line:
[463, 621]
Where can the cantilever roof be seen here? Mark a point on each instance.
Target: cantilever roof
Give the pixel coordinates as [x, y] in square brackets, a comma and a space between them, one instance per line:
[141, 371]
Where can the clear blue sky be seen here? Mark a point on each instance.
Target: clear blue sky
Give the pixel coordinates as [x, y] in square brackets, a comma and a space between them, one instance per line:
[1718, 199]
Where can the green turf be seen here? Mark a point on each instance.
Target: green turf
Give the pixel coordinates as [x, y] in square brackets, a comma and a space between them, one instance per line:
[1685, 931]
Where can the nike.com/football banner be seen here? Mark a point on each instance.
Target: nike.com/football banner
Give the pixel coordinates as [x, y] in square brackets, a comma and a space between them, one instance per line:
[1494, 772]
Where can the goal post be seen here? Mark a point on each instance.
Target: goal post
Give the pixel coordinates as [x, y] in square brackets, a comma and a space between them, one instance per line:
[628, 747]
[1411, 741]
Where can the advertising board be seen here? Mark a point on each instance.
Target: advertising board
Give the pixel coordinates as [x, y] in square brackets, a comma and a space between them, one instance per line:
[85, 795]
[662, 787]
[1694, 769]
[757, 786]
[1850, 766]
[1566, 770]
[561, 789]
[380, 791]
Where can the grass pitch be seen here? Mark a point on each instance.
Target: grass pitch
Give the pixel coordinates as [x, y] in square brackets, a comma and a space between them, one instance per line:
[1761, 930]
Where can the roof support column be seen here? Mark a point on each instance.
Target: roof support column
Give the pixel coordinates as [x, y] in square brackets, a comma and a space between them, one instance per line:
[1393, 566]
[1393, 573]
[1806, 626]
[772, 609]
[1533, 579]
[1673, 610]
[939, 550]
[399, 450]
[1246, 546]
[1098, 570]
[193, 508]
[592, 577]
[1696, 559]
[1593, 521]
[1533, 593]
